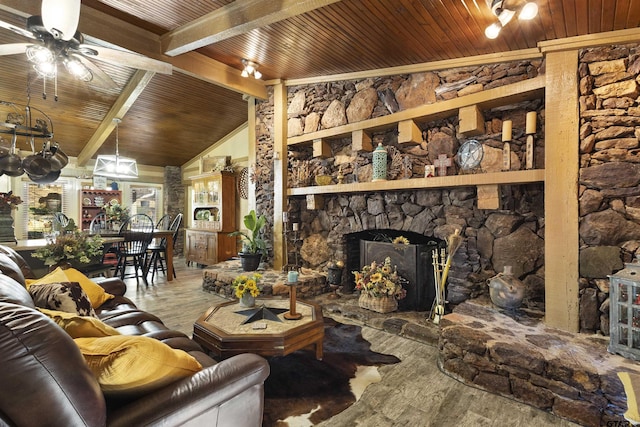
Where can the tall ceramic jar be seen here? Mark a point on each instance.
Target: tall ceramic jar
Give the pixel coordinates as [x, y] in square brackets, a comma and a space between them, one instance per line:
[379, 163]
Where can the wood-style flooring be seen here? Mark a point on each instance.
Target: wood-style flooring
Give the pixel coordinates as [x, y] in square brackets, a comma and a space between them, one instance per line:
[411, 393]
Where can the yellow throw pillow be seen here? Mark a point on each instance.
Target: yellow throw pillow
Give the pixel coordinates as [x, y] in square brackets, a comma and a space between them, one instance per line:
[79, 326]
[126, 365]
[96, 293]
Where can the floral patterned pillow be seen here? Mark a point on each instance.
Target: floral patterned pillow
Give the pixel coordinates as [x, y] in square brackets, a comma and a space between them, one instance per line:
[63, 296]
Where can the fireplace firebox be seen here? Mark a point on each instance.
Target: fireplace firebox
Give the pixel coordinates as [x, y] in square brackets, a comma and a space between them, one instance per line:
[413, 262]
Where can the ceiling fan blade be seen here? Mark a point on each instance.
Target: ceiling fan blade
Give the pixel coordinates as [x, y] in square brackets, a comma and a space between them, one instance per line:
[133, 60]
[100, 78]
[17, 30]
[13, 48]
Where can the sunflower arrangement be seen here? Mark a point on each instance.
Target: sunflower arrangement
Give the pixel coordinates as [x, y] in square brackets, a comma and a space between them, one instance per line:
[380, 280]
[246, 284]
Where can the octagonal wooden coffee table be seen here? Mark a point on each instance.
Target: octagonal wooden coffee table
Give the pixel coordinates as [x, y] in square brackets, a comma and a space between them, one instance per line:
[222, 330]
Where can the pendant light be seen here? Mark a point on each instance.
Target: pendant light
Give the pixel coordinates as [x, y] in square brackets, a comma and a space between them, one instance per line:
[116, 166]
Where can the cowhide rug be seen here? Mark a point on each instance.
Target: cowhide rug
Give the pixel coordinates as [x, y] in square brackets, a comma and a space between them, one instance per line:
[302, 391]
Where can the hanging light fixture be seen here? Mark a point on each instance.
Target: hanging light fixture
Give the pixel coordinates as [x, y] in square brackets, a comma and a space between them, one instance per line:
[528, 11]
[250, 68]
[116, 166]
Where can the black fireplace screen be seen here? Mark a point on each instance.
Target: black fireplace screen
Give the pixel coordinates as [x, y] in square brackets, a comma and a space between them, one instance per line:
[413, 261]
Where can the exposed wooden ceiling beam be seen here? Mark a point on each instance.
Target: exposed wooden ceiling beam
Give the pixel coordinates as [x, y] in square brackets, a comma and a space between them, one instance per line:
[101, 26]
[207, 69]
[238, 17]
[129, 94]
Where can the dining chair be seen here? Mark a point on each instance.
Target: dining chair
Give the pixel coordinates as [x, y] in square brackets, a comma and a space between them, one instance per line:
[98, 223]
[60, 221]
[159, 251]
[137, 232]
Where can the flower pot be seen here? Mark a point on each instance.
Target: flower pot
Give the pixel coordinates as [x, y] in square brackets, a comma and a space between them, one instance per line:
[383, 304]
[250, 262]
[247, 301]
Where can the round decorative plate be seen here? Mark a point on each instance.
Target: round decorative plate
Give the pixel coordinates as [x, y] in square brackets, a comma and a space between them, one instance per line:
[113, 202]
[86, 201]
[243, 183]
[470, 154]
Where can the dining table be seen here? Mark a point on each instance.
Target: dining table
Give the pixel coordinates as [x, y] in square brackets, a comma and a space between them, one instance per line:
[158, 233]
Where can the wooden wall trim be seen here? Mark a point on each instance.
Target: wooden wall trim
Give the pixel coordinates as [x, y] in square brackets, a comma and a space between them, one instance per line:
[561, 191]
[279, 172]
[516, 55]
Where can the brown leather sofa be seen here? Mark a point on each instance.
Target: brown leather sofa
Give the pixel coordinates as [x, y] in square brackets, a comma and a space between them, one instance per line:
[44, 380]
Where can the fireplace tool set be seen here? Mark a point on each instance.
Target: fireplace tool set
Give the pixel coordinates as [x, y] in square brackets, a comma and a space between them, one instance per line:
[441, 261]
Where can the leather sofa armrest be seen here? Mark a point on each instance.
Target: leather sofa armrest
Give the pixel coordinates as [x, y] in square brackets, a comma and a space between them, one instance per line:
[207, 395]
[113, 285]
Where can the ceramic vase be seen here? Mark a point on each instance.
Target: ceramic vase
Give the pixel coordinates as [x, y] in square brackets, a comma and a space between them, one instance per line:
[379, 164]
[247, 300]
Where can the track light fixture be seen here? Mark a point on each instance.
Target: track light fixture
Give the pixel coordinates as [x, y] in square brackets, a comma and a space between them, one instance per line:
[250, 68]
[505, 11]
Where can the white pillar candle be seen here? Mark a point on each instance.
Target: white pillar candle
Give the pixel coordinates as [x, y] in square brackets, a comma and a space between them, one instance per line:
[295, 226]
[285, 216]
[531, 123]
[506, 130]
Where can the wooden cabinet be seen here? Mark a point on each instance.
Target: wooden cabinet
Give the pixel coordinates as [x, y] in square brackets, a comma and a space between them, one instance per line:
[208, 247]
[213, 197]
[92, 202]
[213, 217]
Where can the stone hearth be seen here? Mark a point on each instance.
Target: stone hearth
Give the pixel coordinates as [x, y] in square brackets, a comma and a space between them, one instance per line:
[217, 279]
[570, 375]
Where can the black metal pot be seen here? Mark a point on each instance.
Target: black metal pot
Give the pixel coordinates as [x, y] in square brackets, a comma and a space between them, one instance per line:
[249, 261]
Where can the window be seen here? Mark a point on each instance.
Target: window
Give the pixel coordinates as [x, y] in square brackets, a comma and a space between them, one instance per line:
[41, 201]
[145, 199]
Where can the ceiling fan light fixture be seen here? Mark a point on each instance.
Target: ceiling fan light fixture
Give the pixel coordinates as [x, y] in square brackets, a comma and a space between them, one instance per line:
[529, 11]
[46, 69]
[257, 74]
[61, 17]
[39, 54]
[78, 70]
[244, 73]
[114, 166]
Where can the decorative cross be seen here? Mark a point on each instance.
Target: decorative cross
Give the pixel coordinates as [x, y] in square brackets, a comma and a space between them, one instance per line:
[442, 163]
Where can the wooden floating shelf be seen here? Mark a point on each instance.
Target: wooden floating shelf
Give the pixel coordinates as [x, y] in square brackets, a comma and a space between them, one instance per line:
[505, 95]
[467, 180]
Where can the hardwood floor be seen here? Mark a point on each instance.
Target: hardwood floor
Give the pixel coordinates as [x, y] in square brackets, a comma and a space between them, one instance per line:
[412, 393]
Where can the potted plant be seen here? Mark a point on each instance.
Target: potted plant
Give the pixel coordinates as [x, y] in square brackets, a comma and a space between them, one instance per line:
[246, 289]
[253, 245]
[76, 248]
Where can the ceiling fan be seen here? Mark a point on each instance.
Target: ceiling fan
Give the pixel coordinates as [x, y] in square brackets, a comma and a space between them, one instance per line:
[55, 40]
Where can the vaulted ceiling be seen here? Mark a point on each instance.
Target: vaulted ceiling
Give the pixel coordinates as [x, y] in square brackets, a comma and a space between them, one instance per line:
[170, 119]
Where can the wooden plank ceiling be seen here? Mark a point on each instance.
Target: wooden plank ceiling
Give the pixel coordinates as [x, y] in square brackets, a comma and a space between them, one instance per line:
[178, 116]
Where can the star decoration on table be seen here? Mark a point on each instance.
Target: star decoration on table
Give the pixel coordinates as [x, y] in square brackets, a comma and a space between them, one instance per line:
[261, 313]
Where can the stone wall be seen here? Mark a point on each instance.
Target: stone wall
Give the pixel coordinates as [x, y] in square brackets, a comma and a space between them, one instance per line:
[174, 200]
[512, 235]
[609, 174]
